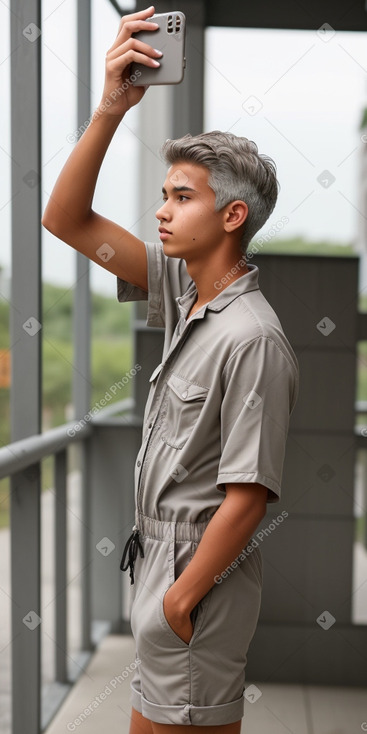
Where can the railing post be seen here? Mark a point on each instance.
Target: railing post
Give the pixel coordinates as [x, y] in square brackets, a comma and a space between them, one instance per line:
[26, 600]
[85, 460]
[363, 457]
[60, 475]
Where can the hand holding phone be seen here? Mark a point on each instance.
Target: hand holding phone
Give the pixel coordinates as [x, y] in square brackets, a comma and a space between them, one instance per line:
[120, 93]
[170, 39]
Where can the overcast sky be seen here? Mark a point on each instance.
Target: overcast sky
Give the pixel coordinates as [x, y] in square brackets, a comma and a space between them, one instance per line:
[298, 94]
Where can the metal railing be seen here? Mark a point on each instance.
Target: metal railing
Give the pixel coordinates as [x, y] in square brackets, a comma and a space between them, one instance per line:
[21, 461]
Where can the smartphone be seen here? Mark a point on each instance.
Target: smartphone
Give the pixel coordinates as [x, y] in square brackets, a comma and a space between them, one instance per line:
[170, 39]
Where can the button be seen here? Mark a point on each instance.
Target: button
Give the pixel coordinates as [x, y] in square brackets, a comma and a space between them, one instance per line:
[150, 425]
[185, 394]
[138, 463]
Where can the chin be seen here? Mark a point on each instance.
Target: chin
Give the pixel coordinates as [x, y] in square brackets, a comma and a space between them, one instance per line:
[172, 250]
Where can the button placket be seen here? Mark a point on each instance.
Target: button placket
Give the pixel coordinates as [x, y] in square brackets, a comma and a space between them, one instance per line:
[157, 400]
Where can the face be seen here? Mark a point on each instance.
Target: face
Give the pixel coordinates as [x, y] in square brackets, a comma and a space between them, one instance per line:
[188, 213]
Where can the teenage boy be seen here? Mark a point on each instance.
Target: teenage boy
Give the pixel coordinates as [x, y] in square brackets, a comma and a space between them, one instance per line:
[218, 409]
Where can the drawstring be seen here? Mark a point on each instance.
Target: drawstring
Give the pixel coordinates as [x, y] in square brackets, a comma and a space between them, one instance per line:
[132, 546]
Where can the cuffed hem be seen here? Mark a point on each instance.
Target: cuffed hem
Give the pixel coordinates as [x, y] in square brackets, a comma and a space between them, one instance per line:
[225, 713]
[128, 292]
[254, 478]
[155, 315]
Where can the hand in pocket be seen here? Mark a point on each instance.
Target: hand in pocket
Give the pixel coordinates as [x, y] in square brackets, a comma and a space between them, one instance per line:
[180, 622]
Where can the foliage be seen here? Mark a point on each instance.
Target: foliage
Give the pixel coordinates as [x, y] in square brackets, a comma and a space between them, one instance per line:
[300, 246]
[111, 357]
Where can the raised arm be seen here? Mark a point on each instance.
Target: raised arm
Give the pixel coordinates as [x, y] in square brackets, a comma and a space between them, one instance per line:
[69, 214]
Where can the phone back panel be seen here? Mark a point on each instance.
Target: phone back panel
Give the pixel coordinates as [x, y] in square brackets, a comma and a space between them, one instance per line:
[170, 39]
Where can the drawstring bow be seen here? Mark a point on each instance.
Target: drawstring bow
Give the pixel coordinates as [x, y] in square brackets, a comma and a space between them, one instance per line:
[132, 546]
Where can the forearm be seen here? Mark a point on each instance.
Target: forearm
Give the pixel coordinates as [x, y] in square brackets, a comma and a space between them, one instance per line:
[70, 203]
[228, 532]
[71, 199]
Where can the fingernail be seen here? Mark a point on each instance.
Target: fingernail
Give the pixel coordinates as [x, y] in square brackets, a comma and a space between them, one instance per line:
[156, 63]
[158, 51]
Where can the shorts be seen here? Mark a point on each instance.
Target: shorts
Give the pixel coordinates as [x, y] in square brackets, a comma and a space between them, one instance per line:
[202, 682]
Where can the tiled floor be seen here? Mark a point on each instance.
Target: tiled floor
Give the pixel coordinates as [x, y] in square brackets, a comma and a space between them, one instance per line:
[280, 709]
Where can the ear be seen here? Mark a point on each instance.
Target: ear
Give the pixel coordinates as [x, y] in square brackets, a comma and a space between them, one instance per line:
[235, 215]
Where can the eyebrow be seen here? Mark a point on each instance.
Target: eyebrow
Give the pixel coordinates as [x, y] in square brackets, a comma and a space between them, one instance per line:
[179, 188]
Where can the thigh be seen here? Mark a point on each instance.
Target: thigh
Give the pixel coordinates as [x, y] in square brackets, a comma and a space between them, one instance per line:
[139, 724]
[233, 728]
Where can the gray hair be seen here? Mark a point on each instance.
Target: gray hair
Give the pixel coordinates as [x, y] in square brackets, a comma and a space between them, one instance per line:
[236, 171]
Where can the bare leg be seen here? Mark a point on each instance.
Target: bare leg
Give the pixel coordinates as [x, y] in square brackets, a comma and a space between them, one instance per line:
[234, 728]
[139, 724]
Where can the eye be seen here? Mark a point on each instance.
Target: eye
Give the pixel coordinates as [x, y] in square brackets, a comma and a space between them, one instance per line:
[181, 196]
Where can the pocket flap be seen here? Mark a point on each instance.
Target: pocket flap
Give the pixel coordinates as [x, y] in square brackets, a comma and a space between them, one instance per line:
[186, 390]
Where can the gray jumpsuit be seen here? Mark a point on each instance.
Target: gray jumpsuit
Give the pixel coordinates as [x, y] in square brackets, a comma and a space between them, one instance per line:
[217, 413]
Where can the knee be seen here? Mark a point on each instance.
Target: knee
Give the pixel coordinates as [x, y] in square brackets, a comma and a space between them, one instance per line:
[139, 724]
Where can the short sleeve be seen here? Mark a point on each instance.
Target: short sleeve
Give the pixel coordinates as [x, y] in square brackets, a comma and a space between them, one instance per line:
[167, 279]
[260, 385]
[128, 292]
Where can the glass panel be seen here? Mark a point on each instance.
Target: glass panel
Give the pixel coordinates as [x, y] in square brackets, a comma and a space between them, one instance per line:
[300, 96]
[115, 198]
[58, 122]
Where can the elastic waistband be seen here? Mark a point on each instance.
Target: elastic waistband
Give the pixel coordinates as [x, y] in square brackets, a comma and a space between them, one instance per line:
[165, 530]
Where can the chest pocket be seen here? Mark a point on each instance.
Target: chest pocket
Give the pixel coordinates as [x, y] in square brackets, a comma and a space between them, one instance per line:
[184, 402]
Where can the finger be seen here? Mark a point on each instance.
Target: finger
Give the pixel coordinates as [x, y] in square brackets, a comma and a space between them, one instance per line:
[133, 43]
[140, 17]
[120, 64]
[146, 13]
[127, 30]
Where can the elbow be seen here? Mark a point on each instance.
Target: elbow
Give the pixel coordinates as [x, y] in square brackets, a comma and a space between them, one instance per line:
[61, 223]
[48, 222]
[45, 223]
[52, 223]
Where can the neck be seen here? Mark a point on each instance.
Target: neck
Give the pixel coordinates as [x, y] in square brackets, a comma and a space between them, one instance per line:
[215, 274]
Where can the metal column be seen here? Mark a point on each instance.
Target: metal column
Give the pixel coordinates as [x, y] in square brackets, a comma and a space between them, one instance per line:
[25, 331]
[188, 97]
[81, 321]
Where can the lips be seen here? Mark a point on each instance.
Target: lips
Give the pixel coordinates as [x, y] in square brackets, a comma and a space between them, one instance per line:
[162, 230]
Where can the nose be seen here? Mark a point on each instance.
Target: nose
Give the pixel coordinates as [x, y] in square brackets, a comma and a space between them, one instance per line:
[162, 213]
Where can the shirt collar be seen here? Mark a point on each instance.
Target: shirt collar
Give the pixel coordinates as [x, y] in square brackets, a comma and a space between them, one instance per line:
[246, 283]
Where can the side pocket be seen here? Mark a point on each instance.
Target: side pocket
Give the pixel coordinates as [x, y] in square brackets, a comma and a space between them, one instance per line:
[197, 615]
[194, 614]
[178, 640]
